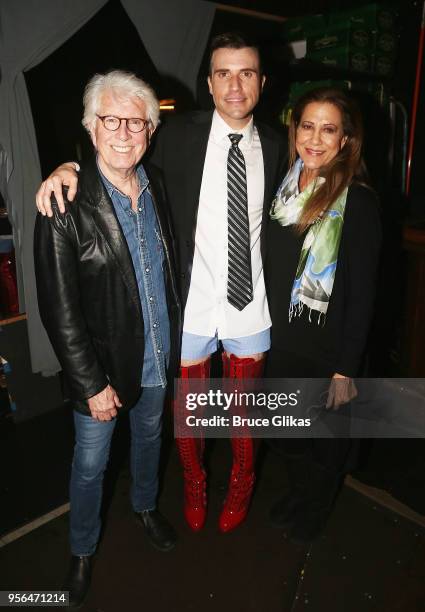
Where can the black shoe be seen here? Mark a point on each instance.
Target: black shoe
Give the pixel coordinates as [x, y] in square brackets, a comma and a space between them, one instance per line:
[284, 511]
[308, 526]
[310, 523]
[159, 531]
[77, 581]
[311, 520]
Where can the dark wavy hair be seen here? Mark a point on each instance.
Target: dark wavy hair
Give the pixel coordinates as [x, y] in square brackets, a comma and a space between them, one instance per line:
[346, 167]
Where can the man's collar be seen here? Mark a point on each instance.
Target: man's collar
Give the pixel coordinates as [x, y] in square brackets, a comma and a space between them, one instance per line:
[110, 187]
[220, 130]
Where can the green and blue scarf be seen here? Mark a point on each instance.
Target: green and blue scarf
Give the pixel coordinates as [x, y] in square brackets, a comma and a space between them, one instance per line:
[316, 268]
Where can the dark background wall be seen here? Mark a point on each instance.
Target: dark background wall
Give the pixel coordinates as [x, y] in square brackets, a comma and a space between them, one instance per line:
[110, 40]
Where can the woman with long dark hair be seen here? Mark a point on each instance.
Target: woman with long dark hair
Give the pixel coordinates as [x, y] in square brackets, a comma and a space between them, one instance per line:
[322, 257]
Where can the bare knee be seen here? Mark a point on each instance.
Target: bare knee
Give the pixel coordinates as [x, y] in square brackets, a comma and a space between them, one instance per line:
[255, 356]
[186, 363]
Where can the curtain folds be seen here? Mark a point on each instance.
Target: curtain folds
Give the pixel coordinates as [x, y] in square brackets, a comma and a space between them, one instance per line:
[174, 34]
[28, 34]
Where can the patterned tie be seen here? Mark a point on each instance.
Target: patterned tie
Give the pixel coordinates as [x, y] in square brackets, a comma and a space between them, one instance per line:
[239, 275]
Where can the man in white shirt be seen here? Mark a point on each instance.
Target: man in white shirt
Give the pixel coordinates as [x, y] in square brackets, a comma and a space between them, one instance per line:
[222, 283]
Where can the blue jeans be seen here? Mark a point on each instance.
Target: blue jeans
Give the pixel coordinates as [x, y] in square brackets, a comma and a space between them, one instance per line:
[91, 454]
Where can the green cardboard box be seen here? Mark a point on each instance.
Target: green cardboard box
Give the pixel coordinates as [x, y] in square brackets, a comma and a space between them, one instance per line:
[342, 35]
[386, 42]
[383, 64]
[301, 28]
[371, 16]
[299, 88]
[344, 57]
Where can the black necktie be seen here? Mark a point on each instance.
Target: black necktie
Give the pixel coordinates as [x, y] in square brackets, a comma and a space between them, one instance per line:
[239, 275]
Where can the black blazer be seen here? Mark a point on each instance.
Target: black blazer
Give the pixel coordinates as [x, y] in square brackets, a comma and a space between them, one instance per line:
[180, 151]
[338, 344]
[87, 292]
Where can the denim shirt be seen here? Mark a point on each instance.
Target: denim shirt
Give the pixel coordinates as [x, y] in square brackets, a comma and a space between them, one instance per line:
[144, 242]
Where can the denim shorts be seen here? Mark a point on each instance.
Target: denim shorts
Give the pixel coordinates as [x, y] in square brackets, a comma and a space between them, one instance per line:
[196, 347]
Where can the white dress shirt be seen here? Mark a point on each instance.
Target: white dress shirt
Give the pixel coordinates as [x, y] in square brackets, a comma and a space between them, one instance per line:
[207, 310]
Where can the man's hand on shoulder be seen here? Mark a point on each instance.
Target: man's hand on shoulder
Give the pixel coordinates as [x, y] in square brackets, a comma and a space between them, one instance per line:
[103, 406]
[64, 176]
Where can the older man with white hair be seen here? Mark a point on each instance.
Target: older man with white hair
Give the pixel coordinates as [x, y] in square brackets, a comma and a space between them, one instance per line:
[108, 299]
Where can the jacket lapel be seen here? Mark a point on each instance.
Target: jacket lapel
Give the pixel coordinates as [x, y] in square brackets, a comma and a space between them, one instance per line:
[108, 226]
[270, 150]
[198, 130]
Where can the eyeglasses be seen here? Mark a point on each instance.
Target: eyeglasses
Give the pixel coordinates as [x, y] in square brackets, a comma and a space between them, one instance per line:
[133, 124]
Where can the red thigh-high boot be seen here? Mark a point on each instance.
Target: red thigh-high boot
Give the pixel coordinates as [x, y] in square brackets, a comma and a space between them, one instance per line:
[242, 479]
[191, 453]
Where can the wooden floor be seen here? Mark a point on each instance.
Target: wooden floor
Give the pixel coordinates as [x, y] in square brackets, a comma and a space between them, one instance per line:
[369, 558]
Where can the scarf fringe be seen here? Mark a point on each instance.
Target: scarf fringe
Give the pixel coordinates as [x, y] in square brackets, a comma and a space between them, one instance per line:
[296, 310]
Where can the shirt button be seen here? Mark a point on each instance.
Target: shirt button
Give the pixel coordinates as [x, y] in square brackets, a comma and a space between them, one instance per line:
[155, 325]
[142, 240]
[151, 299]
[147, 270]
[159, 350]
[140, 209]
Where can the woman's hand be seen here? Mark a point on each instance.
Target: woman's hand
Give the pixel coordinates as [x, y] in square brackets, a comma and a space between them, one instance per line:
[341, 391]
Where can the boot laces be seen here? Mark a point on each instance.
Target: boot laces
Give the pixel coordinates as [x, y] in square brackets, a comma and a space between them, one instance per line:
[195, 492]
[239, 492]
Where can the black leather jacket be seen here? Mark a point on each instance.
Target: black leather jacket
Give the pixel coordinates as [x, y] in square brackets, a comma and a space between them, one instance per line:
[88, 296]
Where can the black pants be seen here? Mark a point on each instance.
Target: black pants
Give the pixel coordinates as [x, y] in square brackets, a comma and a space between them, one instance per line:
[333, 453]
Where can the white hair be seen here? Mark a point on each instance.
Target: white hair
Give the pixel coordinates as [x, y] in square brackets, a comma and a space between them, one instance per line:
[125, 84]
